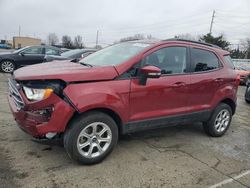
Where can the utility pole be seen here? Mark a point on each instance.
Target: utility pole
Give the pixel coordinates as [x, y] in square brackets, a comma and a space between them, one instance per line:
[19, 31]
[96, 42]
[212, 21]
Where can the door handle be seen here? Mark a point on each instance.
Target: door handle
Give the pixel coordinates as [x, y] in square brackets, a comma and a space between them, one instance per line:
[179, 84]
[219, 80]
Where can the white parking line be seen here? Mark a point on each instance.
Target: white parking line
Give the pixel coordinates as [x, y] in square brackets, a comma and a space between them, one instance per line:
[229, 180]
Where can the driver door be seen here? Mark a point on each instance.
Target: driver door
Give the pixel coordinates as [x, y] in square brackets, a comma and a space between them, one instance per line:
[32, 55]
[164, 96]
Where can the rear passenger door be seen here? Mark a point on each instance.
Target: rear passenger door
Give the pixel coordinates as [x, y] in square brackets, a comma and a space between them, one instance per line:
[205, 79]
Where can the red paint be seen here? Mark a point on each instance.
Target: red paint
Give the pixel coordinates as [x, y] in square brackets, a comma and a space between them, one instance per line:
[34, 124]
[167, 95]
[66, 70]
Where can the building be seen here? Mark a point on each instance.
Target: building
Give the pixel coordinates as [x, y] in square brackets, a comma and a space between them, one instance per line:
[20, 42]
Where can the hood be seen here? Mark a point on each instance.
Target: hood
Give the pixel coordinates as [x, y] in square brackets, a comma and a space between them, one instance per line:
[5, 53]
[65, 70]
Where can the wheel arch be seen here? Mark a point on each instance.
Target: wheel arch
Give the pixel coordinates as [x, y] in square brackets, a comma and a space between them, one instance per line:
[11, 60]
[114, 115]
[231, 103]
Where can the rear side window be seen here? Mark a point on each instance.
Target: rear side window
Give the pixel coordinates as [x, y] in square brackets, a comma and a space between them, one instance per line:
[203, 60]
[229, 61]
[50, 51]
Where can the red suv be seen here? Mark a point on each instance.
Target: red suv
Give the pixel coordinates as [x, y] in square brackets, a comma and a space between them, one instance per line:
[127, 87]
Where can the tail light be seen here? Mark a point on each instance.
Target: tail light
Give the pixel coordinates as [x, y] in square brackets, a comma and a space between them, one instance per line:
[237, 81]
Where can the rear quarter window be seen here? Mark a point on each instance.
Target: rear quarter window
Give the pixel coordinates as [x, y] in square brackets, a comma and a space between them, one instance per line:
[203, 60]
[229, 61]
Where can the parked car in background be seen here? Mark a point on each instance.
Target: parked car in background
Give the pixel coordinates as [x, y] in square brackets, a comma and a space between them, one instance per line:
[64, 49]
[244, 71]
[247, 94]
[124, 88]
[9, 61]
[76, 55]
[5, 46]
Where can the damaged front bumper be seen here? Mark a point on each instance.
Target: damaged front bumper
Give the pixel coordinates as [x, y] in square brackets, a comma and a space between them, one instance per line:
[40, 118]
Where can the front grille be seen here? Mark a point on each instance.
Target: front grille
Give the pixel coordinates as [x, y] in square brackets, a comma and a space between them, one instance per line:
[13, 90]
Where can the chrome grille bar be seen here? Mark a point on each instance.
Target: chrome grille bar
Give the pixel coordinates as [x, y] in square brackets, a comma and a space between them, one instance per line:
[13, 90]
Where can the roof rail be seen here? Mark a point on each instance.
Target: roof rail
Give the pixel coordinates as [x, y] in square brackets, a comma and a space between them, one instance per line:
[193, 41]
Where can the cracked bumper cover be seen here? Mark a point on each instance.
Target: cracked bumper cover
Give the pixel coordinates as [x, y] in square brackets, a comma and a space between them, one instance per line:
[38, 125]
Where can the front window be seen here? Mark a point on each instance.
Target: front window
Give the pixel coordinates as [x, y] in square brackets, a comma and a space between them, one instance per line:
[115, 54]
[171, 60]
[33, 50]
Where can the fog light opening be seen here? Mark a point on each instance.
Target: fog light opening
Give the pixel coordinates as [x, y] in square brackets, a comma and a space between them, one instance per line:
[50, 135]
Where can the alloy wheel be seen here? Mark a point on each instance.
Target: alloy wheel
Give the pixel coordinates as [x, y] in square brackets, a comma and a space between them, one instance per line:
[94, 140]
[222, 120]
[7, 66]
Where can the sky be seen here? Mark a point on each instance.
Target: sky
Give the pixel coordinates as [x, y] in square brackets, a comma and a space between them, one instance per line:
[115, 19]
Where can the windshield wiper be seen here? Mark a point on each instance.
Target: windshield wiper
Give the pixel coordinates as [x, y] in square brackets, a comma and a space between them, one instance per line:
[86, 64]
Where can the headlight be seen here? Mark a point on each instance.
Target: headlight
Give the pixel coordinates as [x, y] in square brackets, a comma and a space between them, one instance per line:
[37, 94]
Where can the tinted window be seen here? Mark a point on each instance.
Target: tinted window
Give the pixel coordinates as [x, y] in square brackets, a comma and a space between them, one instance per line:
[50, 51]
[33, 50]
[228, 59]
[171, 60]
[203, 60]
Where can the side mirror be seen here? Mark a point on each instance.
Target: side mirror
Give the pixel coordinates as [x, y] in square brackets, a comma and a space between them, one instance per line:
[149, 71]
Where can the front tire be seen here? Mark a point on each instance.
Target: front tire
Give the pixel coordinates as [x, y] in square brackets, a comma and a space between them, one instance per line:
[220, 121]
[91, 137]
[7, 66]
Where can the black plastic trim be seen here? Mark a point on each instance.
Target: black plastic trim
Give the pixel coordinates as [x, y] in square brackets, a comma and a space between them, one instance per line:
[154, 123]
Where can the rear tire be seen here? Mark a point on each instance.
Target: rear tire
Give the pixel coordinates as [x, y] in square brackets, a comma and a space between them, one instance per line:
[91, 137]
[219, 122]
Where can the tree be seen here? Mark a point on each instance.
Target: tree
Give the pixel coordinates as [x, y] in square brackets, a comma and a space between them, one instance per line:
[219, 41]
[187, 36]
[52, 39]
[150, 36]
[78, 42]
[66, 41]
[134, 37]
[237, 53]
[246, 48]
[99, 47]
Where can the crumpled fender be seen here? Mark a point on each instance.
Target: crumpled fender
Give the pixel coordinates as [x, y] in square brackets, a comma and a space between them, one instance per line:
[112, 95]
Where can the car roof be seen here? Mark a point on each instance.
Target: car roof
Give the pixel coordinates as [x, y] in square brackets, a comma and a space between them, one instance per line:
[182, 41]
[43, 46]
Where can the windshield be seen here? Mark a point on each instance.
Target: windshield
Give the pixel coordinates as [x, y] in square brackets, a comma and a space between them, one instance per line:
[115, 54]
[21, 49]
[70, 53]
